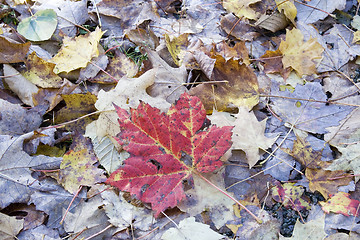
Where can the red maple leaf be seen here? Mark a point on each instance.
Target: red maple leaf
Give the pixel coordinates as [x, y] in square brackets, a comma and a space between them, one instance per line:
[166, 149]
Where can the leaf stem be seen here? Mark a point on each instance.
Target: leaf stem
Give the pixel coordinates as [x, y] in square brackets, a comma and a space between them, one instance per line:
[232, 198]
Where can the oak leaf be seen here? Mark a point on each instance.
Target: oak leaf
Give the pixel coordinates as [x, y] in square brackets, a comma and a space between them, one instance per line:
[166, 149]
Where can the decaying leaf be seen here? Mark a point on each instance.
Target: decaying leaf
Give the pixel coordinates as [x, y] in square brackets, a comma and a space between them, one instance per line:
[109, 157]
[317, 9]
[349, 160]
[289, 196]
[309, 116]
[78, 166]
[12, 52]
[324, 181]
[16, 173]
[118, 67]
[177, 47]
[288, 7]
[10, 226]
[16, 120]
[24, 89]
[40, 72]
[241, 88]
[166, 149]
[123, 214]
[273, 64]
[77, 105]
[274, 22]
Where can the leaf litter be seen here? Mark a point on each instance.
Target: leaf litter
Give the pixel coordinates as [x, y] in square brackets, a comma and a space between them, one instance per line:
[166, 115]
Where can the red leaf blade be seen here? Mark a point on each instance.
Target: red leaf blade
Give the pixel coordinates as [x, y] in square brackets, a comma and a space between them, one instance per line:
[165, 149]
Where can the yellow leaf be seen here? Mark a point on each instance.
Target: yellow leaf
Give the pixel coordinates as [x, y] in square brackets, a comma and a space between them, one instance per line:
[18, 2]
[40, 72]
[301, 56]
[77, 105]
[241, 8]
[77, 52]
[177, 47]
[356, 36]
[289, 8]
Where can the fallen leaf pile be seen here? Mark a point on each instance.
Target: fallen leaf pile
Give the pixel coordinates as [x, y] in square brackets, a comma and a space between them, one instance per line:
[165, 119]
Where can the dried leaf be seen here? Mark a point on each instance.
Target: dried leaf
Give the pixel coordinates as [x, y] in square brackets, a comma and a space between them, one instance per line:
[241, 8]
[349, 160]
[301, 56]
[326, 182]
[191, 230]
[77, 105]
[12, 52]
[78, 166]
[289, 9]
[10, 226]
[40, 72]
[177, 47]
[248, 133]
[274, 22]
[77, 53]
[240, 90]
[23, 88]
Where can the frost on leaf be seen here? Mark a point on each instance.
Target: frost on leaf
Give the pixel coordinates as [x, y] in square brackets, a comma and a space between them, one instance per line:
[165, 149]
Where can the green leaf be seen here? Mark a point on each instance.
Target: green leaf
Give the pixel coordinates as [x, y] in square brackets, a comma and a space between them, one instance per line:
[40, 26]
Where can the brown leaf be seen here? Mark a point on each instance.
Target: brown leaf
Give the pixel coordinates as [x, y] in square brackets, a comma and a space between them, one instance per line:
[77, 105]
[273, 63]
[240, 90]
[326, 182]
[11, 52]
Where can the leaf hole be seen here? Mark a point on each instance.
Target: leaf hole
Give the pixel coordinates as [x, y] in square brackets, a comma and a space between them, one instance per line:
[156, 164]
